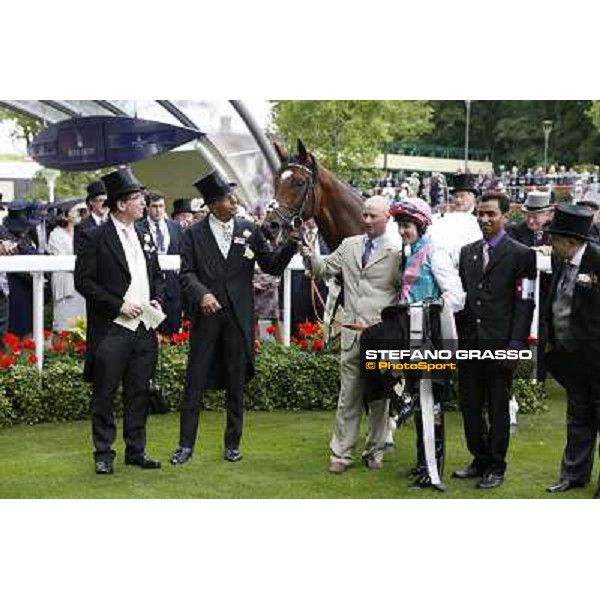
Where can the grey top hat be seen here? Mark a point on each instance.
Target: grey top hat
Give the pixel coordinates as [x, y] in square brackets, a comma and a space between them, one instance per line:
[537, 201]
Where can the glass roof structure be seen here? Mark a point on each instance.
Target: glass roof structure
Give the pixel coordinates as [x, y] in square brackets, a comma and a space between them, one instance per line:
[234, 144]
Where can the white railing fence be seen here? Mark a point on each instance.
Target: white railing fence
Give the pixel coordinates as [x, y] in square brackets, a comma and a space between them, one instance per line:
[38, 266]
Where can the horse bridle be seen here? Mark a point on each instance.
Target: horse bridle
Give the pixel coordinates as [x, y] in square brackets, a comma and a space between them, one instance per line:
[294, 218]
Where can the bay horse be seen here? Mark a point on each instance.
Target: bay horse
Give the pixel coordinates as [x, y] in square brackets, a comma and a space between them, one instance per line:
[304, 190]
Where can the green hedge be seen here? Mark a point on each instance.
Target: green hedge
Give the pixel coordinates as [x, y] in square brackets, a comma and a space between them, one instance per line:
[286, 379]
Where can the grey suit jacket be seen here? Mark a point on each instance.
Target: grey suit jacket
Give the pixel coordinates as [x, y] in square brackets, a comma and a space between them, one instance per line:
[366, 291]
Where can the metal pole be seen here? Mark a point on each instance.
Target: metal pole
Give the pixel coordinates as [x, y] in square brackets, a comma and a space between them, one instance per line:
[287, 305]
[467, 126]
[38, 318]
[547, 128]
[257, 133]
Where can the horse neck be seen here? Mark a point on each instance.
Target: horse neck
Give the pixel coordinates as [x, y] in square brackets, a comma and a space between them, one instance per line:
[339, 212]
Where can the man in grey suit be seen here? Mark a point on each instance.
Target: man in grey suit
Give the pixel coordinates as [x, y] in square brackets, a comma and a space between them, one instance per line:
[370, 267]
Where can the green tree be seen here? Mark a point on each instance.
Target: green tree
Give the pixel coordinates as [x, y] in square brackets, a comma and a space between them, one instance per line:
[511, 130]
[348, 134]
[24, 127]
[68, 185]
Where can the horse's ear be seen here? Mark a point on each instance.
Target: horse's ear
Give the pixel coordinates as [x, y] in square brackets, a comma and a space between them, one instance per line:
[302, 153]
[281, 152]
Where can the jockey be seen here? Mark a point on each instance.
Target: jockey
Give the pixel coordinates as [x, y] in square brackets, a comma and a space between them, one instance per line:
[430, 292]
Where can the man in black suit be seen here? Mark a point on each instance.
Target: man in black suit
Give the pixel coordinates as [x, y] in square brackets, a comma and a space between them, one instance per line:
[537, 213]
[96, 196]
[592, 201]
[497, 316]
[217, 269]
[118, 274]
[573, 315]
[166, 235]
[532, 232]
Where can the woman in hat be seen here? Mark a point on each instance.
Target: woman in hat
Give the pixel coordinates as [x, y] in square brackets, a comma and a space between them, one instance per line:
[68, 303]
[427, 276]
[20, 231]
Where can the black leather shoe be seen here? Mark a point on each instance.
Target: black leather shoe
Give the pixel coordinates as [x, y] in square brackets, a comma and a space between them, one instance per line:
[180, 456]
[563, 485]
[469, 472]
[597, 494]
[104, 467]
[143, 462]
[417, 470]
[232, 455]
[490, 480]
[424, 481]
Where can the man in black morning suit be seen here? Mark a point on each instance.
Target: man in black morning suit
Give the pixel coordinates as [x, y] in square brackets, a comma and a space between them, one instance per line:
[166, 235]
[217, 269]
[96, 195]
[531, 231]
[117, 272]
[573, 357]
[495, 274]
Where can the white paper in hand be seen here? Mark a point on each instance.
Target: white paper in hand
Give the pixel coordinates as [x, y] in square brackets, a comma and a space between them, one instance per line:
[152, 317]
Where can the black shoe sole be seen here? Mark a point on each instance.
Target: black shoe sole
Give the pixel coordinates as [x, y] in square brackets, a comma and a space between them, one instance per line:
[474, 476]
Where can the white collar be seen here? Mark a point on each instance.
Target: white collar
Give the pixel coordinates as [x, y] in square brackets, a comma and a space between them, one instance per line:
[121, 226]
[227, 225]
[376, 241]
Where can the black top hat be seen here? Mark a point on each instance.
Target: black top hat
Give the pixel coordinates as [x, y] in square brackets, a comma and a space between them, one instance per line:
[119, 183]
[181, 205]
[213, 187]
[571, 220]
[96, 188]
[465, 182]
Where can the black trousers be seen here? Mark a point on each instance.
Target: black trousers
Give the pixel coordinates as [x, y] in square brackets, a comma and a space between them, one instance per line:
[216, 339]
[127, 357]
[486, 383]
[174, 312]
[583, 415]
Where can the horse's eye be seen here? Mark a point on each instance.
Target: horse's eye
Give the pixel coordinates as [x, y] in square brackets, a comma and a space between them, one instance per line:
[298, 183]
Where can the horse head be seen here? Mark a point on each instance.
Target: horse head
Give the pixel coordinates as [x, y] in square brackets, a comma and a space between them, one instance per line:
[296, 198]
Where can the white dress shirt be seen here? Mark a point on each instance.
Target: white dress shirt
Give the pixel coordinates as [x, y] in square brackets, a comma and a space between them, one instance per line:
[139, 288]
[223, 233]
[162, 224]
[98, 220]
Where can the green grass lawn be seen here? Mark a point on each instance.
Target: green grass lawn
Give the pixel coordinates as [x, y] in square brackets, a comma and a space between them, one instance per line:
[285, 456]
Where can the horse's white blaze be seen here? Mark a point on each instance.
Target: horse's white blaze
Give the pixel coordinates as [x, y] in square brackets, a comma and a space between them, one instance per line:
[286, 175]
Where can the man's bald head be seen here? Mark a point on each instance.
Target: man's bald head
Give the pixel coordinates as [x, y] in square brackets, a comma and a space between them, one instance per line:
[379, 204]
[375, 216]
